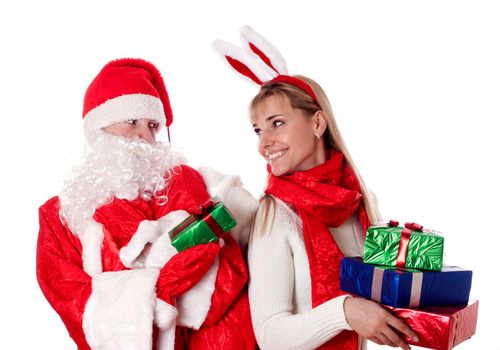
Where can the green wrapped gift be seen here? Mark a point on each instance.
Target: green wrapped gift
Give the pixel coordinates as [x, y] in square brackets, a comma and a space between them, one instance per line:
[212, 223]
[409, 246]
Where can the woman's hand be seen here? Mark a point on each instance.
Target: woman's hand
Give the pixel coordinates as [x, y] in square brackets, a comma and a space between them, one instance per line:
[373, 322]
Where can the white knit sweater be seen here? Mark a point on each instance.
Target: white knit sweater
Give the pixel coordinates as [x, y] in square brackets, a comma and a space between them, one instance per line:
[280, 283]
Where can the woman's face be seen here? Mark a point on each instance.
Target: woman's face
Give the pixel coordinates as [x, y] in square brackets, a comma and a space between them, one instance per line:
[287, 136]
[144, 129]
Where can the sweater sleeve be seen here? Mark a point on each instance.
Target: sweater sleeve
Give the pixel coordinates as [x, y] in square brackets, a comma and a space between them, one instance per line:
[276, 323]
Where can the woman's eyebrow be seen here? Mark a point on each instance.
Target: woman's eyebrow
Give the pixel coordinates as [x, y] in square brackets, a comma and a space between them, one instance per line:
[269, 118]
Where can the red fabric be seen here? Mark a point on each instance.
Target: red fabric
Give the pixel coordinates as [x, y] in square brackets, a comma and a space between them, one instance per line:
[59, 271]
[243, 69]
[298, 83]
[262, 56]
[324, 196]
[67, 287]
[123, 77]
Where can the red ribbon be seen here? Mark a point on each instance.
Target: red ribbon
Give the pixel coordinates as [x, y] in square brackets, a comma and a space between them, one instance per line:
[404, 241]
[203, 211]
[214, 225]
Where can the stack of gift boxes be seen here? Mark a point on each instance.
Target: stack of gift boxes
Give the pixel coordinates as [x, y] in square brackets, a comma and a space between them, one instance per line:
[402, 269]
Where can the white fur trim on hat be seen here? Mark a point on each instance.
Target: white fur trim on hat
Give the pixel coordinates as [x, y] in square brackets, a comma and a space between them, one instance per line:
[119, 312]
[120, 109]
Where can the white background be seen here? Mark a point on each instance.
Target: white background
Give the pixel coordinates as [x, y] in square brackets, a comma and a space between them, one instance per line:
[414, 85]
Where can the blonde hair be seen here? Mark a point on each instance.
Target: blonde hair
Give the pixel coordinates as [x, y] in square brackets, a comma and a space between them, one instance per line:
[333, 138]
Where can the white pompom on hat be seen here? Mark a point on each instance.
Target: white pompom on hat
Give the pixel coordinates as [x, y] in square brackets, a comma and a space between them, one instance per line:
[124, 89]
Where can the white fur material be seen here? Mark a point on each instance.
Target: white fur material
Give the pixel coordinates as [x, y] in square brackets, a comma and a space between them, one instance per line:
[193, 305]
[165, 314]
[261, 70]
[241, 203]
[150, 245]
[133, 254]
[248, 35]
[166, 339]
[119, 312]
[120, 109]
[162, 250]
[91, 240]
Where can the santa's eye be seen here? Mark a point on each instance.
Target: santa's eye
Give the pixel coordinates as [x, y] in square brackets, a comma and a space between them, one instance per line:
[131, 121]
[154, 125]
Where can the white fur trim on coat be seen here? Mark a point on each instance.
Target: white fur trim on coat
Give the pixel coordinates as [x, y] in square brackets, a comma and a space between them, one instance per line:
[91, 240]
[241, 203]
[120, 109]
[165, 314]
[194, 304]
[119, 313]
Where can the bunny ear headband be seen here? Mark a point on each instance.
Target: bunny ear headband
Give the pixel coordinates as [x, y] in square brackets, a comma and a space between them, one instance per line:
[259, 60]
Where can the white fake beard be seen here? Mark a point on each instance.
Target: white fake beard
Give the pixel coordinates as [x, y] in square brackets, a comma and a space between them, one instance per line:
[116, 167]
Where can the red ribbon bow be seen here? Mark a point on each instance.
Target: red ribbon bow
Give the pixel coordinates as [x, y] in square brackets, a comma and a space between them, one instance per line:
[404, 240]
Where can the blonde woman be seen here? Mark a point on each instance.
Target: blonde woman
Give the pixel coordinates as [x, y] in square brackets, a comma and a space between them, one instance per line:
[315, 210]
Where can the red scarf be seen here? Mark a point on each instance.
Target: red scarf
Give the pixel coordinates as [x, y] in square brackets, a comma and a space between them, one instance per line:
[324, 196]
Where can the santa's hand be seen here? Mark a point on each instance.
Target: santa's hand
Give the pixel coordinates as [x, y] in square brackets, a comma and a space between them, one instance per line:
[161, 249]
[240, 202]
[150, 245]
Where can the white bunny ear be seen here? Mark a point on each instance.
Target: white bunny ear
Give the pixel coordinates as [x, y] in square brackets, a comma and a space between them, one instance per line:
[244, 63]
[258, 45]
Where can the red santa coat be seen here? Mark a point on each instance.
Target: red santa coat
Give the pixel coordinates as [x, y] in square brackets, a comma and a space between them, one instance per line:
[111, 295]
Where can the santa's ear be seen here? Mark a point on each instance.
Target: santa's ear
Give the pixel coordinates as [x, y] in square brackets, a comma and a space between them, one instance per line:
[260, 46]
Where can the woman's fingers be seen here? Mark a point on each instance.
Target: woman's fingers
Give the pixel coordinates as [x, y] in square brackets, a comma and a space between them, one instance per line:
[401, 327]
[393, 339]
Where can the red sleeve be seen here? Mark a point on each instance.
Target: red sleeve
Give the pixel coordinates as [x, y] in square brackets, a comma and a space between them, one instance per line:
[184, 270]
[60, 273]
[185, 190]
[231, 278]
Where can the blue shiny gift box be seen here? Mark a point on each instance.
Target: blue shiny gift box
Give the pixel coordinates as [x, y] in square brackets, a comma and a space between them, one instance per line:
[400, 287]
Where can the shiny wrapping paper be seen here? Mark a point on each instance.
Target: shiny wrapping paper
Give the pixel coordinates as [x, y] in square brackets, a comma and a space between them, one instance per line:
[424, 250]
[200, 229]
[440, 328]
[401, 287]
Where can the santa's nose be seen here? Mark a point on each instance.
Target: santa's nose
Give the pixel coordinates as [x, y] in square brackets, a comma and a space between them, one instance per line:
[144, 132]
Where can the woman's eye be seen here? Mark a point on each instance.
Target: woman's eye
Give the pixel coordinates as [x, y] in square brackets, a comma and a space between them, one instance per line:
[257, 131]
[131, 121]
[277, 123]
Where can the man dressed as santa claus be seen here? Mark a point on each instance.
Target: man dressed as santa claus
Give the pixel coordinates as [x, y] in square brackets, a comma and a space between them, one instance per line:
[104, 257]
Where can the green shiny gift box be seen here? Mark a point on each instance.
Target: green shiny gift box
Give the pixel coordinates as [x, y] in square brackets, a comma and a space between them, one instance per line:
[204, 228]
[409, 246]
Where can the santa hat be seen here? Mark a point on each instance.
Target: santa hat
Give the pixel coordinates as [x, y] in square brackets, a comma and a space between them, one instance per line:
[124, 89]
[259, 61]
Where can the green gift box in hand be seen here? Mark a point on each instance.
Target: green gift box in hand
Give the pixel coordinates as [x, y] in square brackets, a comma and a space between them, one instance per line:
[409, 246]
[213, 222]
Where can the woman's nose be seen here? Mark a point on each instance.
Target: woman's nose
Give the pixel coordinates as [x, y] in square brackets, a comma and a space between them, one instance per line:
[265, 139]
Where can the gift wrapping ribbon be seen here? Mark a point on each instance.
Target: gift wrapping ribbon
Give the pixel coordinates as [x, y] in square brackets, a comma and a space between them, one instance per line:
[416, 286]
[404, 241]
[207, 218]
